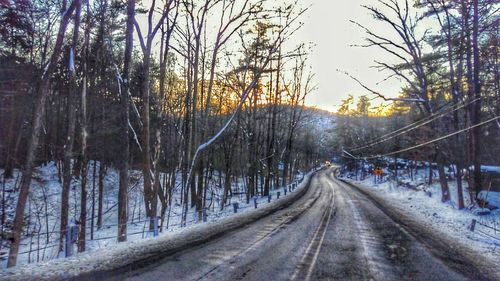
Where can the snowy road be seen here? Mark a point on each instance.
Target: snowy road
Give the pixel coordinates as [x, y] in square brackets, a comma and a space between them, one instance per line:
[333, 232]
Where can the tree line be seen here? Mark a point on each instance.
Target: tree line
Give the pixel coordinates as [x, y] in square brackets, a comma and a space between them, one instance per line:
[446, 55]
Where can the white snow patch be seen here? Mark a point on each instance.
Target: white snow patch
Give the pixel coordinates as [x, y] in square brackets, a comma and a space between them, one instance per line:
[423, 203]
[140, 243]
[494, 169]
[492, 197]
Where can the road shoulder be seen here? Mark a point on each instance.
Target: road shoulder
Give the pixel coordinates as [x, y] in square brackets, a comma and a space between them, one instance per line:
[454, 250]
[139, 253]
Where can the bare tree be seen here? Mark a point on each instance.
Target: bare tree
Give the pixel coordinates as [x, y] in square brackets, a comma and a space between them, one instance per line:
[476, 110]
[150, 188]
[234, 15]
[167, 31]
[445, 21]
[412, 66]
[68, 147]
[124, 98]
[84, 136]
[297, 92]
[43, 91]
[259, 66]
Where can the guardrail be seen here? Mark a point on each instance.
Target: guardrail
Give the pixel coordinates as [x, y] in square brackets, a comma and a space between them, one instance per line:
[486, 228]
[139, 227]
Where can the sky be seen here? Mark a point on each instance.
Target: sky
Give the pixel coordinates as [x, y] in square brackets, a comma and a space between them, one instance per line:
[328, 27]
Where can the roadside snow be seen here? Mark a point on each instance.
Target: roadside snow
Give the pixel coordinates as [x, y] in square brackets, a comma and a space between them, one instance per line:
[492, 197]
[122, 254]
[444, 218]
[40, 238]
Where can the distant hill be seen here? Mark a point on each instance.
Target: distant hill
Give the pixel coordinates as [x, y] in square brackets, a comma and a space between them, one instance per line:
[322, 120]
[320, 124]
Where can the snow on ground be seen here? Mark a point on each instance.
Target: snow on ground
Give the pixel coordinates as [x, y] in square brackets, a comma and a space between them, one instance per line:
[495, 169]
[128, 252]
[491, 197]
[423, 202]
[40, 241]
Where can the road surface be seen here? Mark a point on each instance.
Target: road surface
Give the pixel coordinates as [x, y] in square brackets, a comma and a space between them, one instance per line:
[333, 232]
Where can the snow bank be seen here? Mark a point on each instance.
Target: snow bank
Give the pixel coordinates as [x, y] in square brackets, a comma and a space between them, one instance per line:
[443, 218]
[129, 253]
[492, 197]
[491, 169]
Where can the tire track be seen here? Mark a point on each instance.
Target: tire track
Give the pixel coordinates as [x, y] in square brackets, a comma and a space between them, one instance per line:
[306, 267]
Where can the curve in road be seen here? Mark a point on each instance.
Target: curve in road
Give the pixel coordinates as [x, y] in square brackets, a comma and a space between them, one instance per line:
[333, 232]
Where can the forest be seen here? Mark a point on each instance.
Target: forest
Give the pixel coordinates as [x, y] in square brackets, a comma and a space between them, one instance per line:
[173, 95]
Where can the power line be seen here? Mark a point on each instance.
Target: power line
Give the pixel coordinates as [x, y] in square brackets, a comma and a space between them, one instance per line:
[440, 110]
[413, 126]
[432, 141]
[349, 154]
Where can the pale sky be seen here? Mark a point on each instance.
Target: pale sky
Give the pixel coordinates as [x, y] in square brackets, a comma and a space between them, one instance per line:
[327, 25]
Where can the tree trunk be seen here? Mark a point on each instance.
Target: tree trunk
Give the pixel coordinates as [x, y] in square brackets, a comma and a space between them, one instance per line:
[471, 152]
[92, 212]
[457, 95]
[102, 174]
[186, 156]
[124, 161]
[84, 156]
[149, 194]
[27, 172]
[83, 208]
[227, 187]
[445, 191]
[200, 187]
[68, 147]
[11, 137]
[476, 132]
[431, 173]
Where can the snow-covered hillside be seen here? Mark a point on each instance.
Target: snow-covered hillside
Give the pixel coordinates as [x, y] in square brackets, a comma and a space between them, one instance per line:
[321, 125]
[412, 194]
[40, 240]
